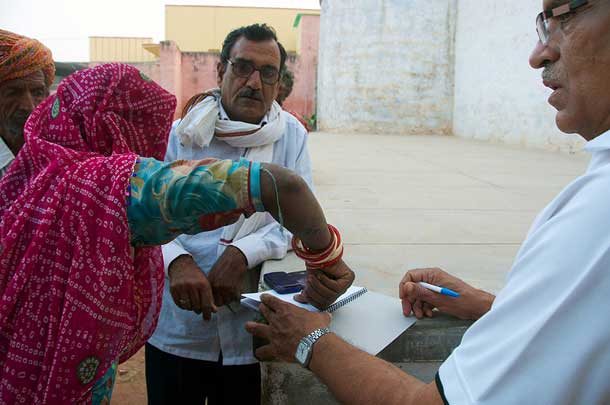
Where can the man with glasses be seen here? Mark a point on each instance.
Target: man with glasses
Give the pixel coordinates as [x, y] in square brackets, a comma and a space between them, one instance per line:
[200, 349]
[544, 338]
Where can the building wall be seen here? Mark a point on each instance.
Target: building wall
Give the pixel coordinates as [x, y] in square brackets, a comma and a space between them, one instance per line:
[498, 96]
[185, 74]
[203, 28]
[386, 66]
[119, 49]
[302, 100]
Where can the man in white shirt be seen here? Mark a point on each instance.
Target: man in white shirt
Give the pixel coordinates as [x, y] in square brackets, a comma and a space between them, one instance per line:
[200, 349]
[544, 338]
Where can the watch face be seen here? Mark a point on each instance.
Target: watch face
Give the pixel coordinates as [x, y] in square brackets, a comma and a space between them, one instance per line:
[302, 351]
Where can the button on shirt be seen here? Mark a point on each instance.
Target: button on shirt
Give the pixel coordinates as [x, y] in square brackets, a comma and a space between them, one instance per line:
[186, 334]
[546, 339]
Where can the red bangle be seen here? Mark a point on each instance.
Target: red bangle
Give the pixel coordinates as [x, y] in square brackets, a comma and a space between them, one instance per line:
[320, 260]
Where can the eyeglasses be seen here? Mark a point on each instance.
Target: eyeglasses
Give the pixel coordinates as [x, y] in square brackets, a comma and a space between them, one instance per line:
[244, 68]
[542, 20]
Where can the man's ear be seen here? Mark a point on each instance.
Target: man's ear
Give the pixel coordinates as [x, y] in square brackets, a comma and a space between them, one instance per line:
[220, 69]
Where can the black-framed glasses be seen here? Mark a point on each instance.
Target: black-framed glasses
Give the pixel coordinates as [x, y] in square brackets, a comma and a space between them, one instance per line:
[244, 69]
[542, 20]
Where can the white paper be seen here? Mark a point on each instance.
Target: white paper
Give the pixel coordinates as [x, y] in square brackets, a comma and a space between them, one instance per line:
[371, 322]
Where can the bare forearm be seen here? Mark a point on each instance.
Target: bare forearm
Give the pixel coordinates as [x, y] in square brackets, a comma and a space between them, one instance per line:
[301, 213]
[355, 377]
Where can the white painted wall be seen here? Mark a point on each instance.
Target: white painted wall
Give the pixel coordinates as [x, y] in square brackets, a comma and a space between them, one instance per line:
[435, 66]
[498, 96]
[386, 66]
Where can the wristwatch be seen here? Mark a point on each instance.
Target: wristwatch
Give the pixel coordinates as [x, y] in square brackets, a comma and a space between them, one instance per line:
[305, 347]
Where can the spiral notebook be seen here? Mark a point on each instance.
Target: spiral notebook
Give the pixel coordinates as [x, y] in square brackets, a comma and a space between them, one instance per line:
[365, 319]
[253, 300]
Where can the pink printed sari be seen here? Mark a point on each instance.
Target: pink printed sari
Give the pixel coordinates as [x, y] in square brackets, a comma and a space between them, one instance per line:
[74, 297]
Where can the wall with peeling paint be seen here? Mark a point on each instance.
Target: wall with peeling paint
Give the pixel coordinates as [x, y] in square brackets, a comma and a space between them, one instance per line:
[435, 66]
[386, 66]
[498, 96]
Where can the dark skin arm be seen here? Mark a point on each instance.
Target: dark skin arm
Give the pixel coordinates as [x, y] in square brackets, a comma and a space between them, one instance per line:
[303, 216]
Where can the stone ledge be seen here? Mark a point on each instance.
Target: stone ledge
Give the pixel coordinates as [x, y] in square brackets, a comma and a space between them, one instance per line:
[419, 351]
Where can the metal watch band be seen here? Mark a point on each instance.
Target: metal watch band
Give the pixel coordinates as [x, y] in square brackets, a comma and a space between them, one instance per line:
[317, 334]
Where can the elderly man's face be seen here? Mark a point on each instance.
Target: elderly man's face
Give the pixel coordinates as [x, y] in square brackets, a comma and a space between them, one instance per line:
[248, 99]
[18, 97]
[576, 64]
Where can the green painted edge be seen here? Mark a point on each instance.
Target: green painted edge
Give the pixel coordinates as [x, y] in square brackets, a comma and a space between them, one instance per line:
[297, 19]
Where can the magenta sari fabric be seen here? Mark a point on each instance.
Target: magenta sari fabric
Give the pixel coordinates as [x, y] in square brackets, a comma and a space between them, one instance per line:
[74, 295]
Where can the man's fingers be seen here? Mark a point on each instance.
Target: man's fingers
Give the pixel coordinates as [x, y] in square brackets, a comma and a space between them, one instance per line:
[413, 291]
[417, 309]
[272, 302]
[194, 299]
[259, 330]
[406, 307]
[267, 312]
[207, 302]
[265, 353]
[427, 307]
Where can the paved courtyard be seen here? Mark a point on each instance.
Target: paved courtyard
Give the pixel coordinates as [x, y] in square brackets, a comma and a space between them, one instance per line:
[413, 201]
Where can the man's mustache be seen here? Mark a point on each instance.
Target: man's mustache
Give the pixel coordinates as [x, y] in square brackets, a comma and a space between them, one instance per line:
[251, 93]
[551, 73]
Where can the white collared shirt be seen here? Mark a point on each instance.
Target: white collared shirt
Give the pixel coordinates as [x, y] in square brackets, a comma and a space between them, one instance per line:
[546, 339]
[6, 157]
[186, 334]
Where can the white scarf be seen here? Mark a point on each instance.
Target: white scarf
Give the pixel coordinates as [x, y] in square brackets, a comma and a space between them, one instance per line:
[202, 123]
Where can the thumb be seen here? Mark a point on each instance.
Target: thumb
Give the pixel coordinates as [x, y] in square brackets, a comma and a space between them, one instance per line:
[413, 292]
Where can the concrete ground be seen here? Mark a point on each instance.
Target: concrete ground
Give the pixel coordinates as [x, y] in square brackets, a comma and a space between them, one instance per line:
[416, 201]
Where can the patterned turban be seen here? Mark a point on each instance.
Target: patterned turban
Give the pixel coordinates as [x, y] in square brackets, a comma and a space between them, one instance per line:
[21, 56]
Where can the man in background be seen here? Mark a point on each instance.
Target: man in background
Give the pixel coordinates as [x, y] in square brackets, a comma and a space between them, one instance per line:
[286, 85]
[26, 74]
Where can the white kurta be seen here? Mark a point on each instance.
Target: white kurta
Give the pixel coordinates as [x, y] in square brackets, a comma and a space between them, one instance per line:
[6, 157]
[186, 334]
[546, 339]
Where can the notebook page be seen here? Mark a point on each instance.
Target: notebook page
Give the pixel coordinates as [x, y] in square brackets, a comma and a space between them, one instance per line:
[371, 322]
[252, 300]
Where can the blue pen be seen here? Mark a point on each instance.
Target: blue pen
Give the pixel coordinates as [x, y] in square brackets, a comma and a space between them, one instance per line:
[440, 290]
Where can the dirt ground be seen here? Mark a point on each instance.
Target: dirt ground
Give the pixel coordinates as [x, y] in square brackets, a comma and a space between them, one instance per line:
[130, 387]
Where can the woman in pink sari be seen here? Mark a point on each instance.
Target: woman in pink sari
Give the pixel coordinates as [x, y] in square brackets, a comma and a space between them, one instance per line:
[81, 207]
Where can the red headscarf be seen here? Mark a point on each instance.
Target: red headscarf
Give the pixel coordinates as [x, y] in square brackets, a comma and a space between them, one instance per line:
[73, 297]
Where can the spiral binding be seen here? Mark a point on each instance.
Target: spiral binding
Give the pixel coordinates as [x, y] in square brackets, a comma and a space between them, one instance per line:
[346, 300]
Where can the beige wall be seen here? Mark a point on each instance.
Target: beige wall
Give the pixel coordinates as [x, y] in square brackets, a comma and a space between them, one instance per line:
[119, 49]
[203, 28]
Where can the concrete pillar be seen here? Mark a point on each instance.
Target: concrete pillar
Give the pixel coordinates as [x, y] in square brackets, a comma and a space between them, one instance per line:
[303, 97]
[386, 66]
[171, 71]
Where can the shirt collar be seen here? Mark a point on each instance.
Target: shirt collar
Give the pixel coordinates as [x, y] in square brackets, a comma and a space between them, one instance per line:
[222, 114]
[601, 142]
[6, 156]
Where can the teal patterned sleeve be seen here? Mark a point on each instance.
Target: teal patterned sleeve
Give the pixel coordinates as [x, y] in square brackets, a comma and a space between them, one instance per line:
[187, 197]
